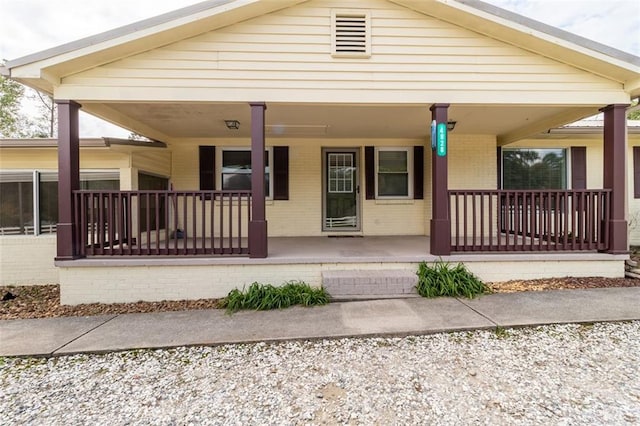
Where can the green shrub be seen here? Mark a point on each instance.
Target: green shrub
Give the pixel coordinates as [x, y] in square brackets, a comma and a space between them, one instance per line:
[263, 297]
[443, 279]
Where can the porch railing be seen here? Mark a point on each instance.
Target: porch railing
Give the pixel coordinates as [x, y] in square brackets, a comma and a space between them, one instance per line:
[147, 223]
[543, 220]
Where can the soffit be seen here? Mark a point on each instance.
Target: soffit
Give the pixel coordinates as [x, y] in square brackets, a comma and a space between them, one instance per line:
[192, 120]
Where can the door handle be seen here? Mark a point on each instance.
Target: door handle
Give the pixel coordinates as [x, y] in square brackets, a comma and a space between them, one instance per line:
[357, 189]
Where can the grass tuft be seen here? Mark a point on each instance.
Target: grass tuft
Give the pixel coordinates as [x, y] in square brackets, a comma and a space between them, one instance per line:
[263, 297]
[443, 279]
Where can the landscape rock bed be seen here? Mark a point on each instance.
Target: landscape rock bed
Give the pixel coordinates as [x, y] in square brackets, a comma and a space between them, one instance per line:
[565, 374]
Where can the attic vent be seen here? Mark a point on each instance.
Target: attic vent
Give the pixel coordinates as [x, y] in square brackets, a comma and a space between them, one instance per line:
[351, 33]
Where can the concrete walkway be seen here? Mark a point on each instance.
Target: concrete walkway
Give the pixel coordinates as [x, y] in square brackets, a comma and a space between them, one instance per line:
[62, 336]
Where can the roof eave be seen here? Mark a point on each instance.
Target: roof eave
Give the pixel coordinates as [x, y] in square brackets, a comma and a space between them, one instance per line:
[115, 33]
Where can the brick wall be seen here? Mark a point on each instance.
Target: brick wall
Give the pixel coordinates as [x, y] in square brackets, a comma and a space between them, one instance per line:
[28, 260]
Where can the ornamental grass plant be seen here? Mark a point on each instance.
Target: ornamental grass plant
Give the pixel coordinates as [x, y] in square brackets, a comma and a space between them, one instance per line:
[444, 279]
[263, 297]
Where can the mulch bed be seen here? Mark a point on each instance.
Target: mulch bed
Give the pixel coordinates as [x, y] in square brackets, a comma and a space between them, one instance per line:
[561, 284]
[44, 301]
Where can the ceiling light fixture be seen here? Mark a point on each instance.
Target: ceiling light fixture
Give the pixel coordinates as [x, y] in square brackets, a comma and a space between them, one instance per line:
[451, 125]
[232, 124]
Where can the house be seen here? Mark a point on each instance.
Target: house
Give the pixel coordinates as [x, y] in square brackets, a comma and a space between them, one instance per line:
[378, 124]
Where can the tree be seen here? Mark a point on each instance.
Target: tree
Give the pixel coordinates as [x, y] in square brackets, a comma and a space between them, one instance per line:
[634, 114]
[44, 124]
[11, 120]
[14, 123]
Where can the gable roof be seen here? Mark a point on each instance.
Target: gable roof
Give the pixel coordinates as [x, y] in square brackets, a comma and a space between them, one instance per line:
[43, 70]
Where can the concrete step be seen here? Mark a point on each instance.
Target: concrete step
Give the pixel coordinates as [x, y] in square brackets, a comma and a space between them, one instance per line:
[387, 283]
[361, 298]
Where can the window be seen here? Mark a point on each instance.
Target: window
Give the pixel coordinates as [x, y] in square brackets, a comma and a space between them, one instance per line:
[534, 169]
[236, 170]
[24, 204]
[350, 33]
[393, 170]
[16, 203]
[341, 171]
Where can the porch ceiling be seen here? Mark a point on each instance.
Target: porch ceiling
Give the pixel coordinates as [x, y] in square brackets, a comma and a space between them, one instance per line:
[198, 120]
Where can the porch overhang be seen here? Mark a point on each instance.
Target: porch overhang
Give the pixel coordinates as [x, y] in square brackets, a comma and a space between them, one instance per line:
[174, 121]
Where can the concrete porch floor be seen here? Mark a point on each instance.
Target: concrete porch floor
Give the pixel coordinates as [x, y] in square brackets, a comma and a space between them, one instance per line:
[351, 249]
[324, 249]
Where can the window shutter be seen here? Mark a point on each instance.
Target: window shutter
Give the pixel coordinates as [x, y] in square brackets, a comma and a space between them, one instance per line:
[578, 167]
[370, 172]
[636, 172]
[207, 157]
[418, 172]
[350, 33]
[499, 167]
[280, 172]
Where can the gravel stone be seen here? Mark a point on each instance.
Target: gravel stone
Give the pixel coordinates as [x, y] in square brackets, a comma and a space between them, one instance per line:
[563, 374]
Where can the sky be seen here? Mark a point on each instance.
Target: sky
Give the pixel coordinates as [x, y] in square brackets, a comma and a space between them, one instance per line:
[29, 26]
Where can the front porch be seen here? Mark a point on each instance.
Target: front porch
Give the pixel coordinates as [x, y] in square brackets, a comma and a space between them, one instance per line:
[154, 278]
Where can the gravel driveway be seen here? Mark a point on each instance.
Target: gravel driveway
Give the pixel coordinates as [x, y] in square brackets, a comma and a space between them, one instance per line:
[567, 374]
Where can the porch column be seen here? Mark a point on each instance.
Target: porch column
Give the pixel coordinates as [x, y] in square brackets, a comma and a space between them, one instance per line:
[615, 147]
[258, 223]
[68, 177]
[440, 222]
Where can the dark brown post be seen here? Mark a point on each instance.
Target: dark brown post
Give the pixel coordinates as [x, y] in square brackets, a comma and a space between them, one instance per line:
[440, 222]
[258, 223]
[615, 147]
[68, 177]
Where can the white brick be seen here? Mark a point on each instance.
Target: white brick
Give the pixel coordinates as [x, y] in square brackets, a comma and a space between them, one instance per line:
[28, 260]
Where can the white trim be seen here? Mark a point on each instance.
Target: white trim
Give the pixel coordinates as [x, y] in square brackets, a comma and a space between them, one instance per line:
[409, 151]
[36, 202]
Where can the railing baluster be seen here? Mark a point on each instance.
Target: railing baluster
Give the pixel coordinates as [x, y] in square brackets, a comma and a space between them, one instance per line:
[481, 218]
[83, 224]
[239, 222]
[230, 222]
[490, 201]
[120, 220]
[157, 209]
[130, 239]
[221, 219]
[194, 222]
[203, 222]
[557, 228]
[213, 224]
[533, 213]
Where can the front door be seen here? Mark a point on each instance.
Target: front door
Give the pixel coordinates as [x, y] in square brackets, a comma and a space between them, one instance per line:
[341, 189]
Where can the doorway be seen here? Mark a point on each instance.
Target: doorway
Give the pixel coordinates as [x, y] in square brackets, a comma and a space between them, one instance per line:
[341, 189]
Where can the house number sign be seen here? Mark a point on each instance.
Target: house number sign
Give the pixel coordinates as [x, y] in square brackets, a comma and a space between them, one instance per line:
[441, 140]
